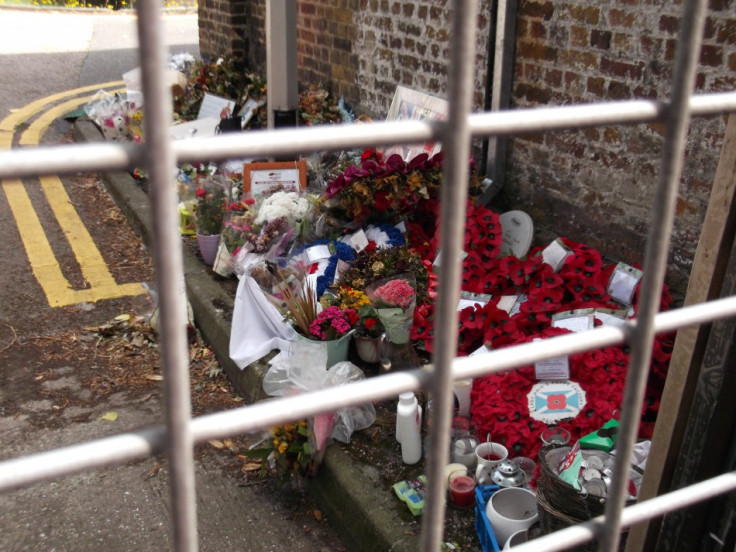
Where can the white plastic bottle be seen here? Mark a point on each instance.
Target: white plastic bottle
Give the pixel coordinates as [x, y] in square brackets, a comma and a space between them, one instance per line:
[409, 427]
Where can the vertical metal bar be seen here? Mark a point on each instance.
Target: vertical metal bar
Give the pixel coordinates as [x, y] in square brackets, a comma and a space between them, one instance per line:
[453, 197]
[655, 262]
[169, 276]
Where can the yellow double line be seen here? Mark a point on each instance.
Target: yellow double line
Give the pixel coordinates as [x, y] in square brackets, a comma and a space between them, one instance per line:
[44, 264]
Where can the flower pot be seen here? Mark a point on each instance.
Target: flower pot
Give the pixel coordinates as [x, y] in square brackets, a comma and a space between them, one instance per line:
[336, 349]
[368, 348]
[208, 247]
[510, 510]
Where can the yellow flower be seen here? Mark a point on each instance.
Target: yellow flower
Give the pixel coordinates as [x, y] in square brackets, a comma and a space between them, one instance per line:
[282, 447]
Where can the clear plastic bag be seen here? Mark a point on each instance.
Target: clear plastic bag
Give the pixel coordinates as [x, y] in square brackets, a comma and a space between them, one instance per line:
[305, 371]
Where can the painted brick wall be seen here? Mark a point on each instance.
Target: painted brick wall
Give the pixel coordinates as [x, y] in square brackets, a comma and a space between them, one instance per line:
[595, 185]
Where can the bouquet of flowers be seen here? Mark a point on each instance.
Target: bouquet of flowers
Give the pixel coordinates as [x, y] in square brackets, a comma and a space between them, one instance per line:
[332, 323]
[288, 449]
[367, 324]
[394, 300]
[212, 201]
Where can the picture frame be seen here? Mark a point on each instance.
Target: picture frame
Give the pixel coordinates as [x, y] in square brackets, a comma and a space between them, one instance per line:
[412, 105]
[259, 177]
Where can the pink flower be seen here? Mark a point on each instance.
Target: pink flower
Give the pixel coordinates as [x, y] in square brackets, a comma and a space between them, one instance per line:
[396, 293]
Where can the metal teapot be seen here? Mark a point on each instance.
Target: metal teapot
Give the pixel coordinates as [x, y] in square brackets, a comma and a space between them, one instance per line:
[508, 474]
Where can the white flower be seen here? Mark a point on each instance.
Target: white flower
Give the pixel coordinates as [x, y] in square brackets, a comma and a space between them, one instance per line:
[283, 204]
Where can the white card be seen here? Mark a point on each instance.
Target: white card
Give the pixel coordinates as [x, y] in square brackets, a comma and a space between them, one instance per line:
[609, 319]
[341, 267]
[359, 241]
[555, 254]
[317, 253]
[468, 299]
[401, 227]
[507, 302]
[482, 350]
[557, 368]
[437, 259]
[575, 321]
[623, 283]
[215, 107]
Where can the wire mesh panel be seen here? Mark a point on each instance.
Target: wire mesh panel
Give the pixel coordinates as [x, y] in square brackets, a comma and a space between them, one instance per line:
[179, 433]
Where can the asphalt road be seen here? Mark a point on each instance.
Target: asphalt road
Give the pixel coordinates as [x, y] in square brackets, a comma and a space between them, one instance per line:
[44, 402]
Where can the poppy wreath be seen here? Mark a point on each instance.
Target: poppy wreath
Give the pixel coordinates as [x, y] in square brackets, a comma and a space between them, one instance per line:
[499, 401]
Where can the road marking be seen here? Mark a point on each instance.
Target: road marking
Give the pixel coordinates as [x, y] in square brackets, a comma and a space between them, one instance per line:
[24, 113]
[43, 262]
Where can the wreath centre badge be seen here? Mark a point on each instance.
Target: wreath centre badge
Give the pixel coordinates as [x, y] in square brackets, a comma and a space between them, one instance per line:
[553, 401]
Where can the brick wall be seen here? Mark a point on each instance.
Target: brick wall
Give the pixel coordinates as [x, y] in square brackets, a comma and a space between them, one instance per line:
[595, 185]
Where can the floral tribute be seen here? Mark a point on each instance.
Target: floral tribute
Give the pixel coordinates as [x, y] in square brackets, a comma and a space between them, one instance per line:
[394, 293]
[393, 281]
[289, 450]
[380, 188]
[333, 323]
[210, 208]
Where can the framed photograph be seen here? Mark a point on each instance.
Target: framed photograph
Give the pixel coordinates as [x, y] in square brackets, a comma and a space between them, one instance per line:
[289, 176]
[410, 105]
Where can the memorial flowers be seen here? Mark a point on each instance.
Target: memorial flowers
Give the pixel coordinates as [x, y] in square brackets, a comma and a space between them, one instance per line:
[332, 323]
[209, 214]
[287, 449]
[394, 300]
[380, 188]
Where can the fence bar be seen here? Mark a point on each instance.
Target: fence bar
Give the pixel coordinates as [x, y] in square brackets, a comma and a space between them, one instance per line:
[134, 445]
[453, 198]
[655, 261]
[61, 160]
[168, 258]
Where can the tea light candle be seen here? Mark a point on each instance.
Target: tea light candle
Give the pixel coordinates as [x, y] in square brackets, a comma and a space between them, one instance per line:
[450, 468]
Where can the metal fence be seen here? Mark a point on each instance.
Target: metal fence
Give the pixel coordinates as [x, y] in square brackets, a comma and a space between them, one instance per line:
[180, 432]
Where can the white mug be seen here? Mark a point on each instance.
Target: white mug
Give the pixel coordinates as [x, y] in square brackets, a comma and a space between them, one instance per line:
[488, 455]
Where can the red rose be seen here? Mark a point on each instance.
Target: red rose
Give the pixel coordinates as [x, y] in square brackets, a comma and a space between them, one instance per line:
[201, 192]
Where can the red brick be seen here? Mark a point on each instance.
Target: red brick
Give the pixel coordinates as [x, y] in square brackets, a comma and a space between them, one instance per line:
[711, 56]
[541, 10]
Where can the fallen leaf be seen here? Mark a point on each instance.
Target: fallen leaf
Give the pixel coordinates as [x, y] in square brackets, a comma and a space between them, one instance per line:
[109, 416]
[155, 377]
[250, 467]
[318, 515]
[153, 471]
[122, 318]
[219, 445]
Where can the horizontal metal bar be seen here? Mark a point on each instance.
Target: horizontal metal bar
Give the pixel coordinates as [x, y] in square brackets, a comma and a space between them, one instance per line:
[129, 446]
[72, 159]
[642, 511]
[78, 458]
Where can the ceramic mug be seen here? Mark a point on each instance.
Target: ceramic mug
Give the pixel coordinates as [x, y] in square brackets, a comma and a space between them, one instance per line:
[488, 455]
[510, 510]
[517, 538]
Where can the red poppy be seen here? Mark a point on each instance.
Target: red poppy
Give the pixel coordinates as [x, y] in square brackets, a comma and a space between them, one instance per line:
[547, 296]
[556, 402]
